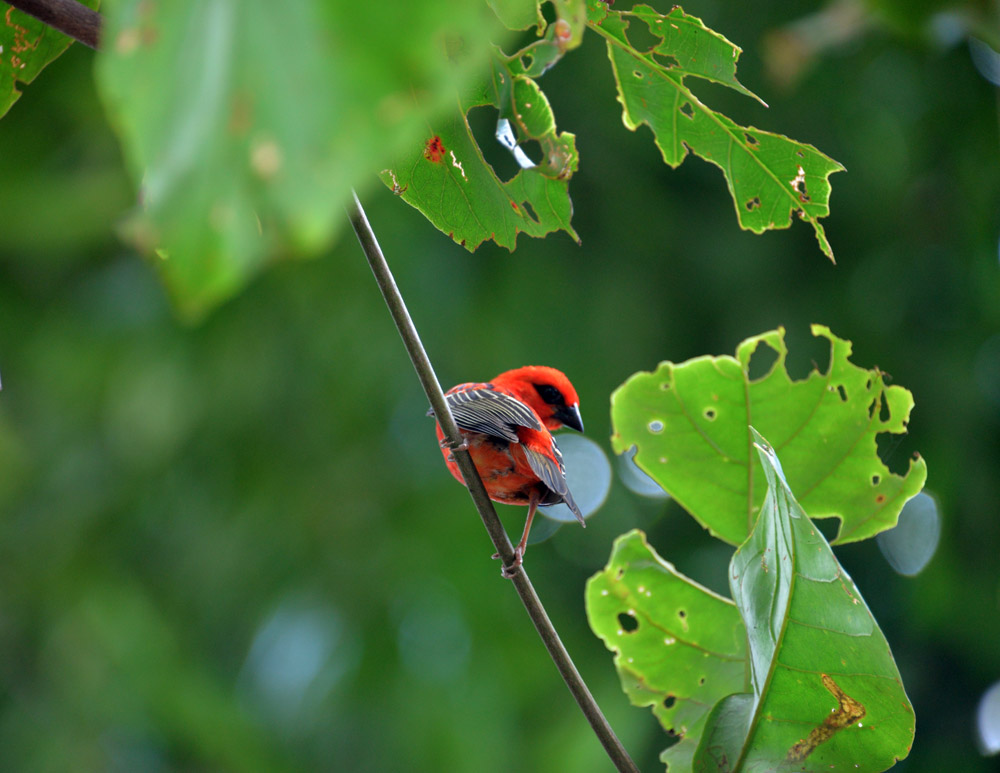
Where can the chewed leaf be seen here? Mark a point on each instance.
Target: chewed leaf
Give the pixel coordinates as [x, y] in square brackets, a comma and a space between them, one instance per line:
[459, 192]
[26, 47]
[826, 692]
[770, 177]
[691, 425]
[679, 648]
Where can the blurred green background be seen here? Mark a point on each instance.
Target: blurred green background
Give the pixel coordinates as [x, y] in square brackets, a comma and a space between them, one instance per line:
[235, 547]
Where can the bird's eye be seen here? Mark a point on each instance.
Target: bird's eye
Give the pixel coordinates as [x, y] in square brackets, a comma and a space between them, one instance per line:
[550, 394]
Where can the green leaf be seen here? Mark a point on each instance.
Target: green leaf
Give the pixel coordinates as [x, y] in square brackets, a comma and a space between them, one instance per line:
[679, 648]
[691, 425]
[246, 127]
[450, 182]
[826, 691]
[518, 14]
[769, 176]
[26, 47]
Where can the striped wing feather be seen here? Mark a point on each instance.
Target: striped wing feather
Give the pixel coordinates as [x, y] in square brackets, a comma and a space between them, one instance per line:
[492, 413]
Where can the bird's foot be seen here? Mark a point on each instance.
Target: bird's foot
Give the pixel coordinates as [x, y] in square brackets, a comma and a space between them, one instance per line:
[463, 446]
[509, 572]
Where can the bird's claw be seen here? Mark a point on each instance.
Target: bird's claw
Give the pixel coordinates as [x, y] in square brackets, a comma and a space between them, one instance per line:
[509, 572]
[462, 446]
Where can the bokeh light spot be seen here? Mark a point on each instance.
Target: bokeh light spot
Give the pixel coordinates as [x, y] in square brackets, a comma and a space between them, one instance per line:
[298, 655]
[988, 721]
[910, 545]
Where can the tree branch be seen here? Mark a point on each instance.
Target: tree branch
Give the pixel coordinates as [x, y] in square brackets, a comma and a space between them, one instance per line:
[68, 16]
[428, 379]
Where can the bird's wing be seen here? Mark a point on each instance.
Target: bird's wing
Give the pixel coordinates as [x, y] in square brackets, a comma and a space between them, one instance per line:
[553, 474]
[491, 412]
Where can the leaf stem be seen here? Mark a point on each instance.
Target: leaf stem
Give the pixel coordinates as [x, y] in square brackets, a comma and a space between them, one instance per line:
[68, 16]
[428, 379]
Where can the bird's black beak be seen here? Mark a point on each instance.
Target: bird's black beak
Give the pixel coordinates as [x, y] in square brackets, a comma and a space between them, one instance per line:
[570, 416]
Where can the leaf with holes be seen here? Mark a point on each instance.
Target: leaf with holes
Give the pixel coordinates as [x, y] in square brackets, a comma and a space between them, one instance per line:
[770, 177]
[247, 129]
[451, 183]
[826, 691]
[26, 47]
[691, 426]
[679, 648]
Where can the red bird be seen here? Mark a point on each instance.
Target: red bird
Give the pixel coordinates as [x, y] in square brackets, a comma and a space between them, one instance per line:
[505, 425]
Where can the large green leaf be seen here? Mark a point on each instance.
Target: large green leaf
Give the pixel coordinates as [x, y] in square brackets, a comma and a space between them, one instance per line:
[770, 177]
[679, 648]
[451, 183]
[826, 691]
[691, 425]
[26, 47]
[518, 14]
[247, 123]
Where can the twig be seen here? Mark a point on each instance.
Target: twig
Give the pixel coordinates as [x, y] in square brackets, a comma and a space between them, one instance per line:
[68, 16]
[429, 381]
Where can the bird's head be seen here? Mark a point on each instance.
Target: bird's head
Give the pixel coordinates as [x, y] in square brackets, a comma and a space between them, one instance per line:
[547, 391]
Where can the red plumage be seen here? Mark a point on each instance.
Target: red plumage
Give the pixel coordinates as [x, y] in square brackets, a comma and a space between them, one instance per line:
[506, 425]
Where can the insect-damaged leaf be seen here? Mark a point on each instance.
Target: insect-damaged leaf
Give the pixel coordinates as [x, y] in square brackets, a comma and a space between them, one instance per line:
[770, 177]
[679, 648]
[451, 183]
[691, 425]
[826, 692]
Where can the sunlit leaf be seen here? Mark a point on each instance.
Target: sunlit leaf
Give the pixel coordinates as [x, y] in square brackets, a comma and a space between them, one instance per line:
[679, 648]
[246, 127]
[691, 425]
[826, 691]
[26, 47]
[770, 177]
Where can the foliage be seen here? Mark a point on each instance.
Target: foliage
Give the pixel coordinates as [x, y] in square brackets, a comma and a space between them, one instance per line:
[208, 475]
[691, 424]
[679, 648]
[246, 136]
[448, 179]
[770, 177]
[812, 640]
[819, 664]
[236, 169]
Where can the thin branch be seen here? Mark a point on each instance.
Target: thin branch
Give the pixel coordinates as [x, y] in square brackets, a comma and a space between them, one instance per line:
[68, 16]
[429, 381]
